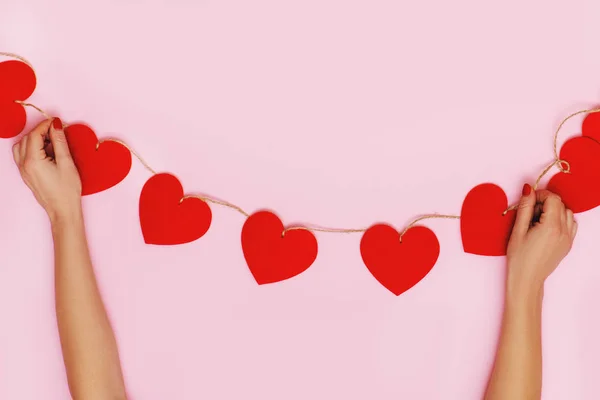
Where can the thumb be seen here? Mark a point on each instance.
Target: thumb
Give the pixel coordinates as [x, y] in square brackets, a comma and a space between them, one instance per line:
[524, 212]
[59, 142]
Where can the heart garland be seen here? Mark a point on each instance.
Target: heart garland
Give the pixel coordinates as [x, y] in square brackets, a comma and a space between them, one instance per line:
[398, 261]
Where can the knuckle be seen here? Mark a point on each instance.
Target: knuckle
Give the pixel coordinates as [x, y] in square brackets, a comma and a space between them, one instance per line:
[552, 195]
[554, 230]
[524, 202]
[28, 165]
[71, 169]
[67, 159]
[554, 199]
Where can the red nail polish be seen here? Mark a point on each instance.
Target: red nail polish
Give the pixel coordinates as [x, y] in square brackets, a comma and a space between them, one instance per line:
[526, 189]
[57, 124]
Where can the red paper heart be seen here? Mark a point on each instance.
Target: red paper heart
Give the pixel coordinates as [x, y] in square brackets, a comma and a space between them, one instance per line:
[579, 189]
[271, 256]
[591, 126]
[399, 266]
[17, 82]
[100, 165]
[484, 229]
[166, 219]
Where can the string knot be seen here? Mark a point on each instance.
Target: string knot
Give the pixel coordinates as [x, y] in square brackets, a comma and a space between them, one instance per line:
[563, 166]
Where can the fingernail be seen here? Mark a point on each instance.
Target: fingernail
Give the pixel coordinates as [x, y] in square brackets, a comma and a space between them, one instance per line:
[526, 189]
[57, 124]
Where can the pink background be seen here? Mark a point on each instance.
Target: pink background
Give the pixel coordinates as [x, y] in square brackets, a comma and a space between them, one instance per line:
[340, 113]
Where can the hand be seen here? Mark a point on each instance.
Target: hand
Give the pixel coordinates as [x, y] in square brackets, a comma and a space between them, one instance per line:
[542, 236]
[46, 166]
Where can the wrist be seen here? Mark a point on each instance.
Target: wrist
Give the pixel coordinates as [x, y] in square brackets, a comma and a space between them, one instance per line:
[520, 291]
[64, 218]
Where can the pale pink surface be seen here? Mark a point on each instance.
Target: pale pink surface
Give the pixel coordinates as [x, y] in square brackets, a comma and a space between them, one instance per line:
[331, 112]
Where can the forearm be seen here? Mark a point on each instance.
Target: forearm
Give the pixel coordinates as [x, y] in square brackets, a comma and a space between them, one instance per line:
[88, 343]
[517, 373]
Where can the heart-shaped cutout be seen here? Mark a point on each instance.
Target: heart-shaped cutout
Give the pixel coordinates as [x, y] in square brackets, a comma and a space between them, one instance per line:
[17, 82]
[273, 256]
[484, 226]
[399, 265]
[580, 188]
[166, 217]
[100, 165]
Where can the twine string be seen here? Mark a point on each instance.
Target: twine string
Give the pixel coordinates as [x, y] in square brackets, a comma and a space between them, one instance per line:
[564, 121]
[44, 113]
[145, 164]
[562, 165]
[18, 57]
[319, 229]
[132, 151]
[362, 230]
[513, 207]
[426, 216]
[207, 199]
[549, 167]
[141, 160]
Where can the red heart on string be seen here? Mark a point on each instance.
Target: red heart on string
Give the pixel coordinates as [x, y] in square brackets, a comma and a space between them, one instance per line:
[591, 126]
[165, 218]
[484, 228]
[397, 265]
[273, 256]
[17, 82]
[580, 188]
[100, 165]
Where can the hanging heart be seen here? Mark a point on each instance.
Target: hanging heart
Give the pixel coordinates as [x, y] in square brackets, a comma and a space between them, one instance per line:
[166, 217]
[273, 256]
[100, 165]
[17, 82]
[579, 189]
[399, 265]
[484, 227]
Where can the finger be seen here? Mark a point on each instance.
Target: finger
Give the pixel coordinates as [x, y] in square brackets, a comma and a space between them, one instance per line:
[574, 231]
[542, 195]
[570, 222]
[524, 212]
[35, 143]
[16, 153]
[23, 148]
[62, 153]
[552, 205]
